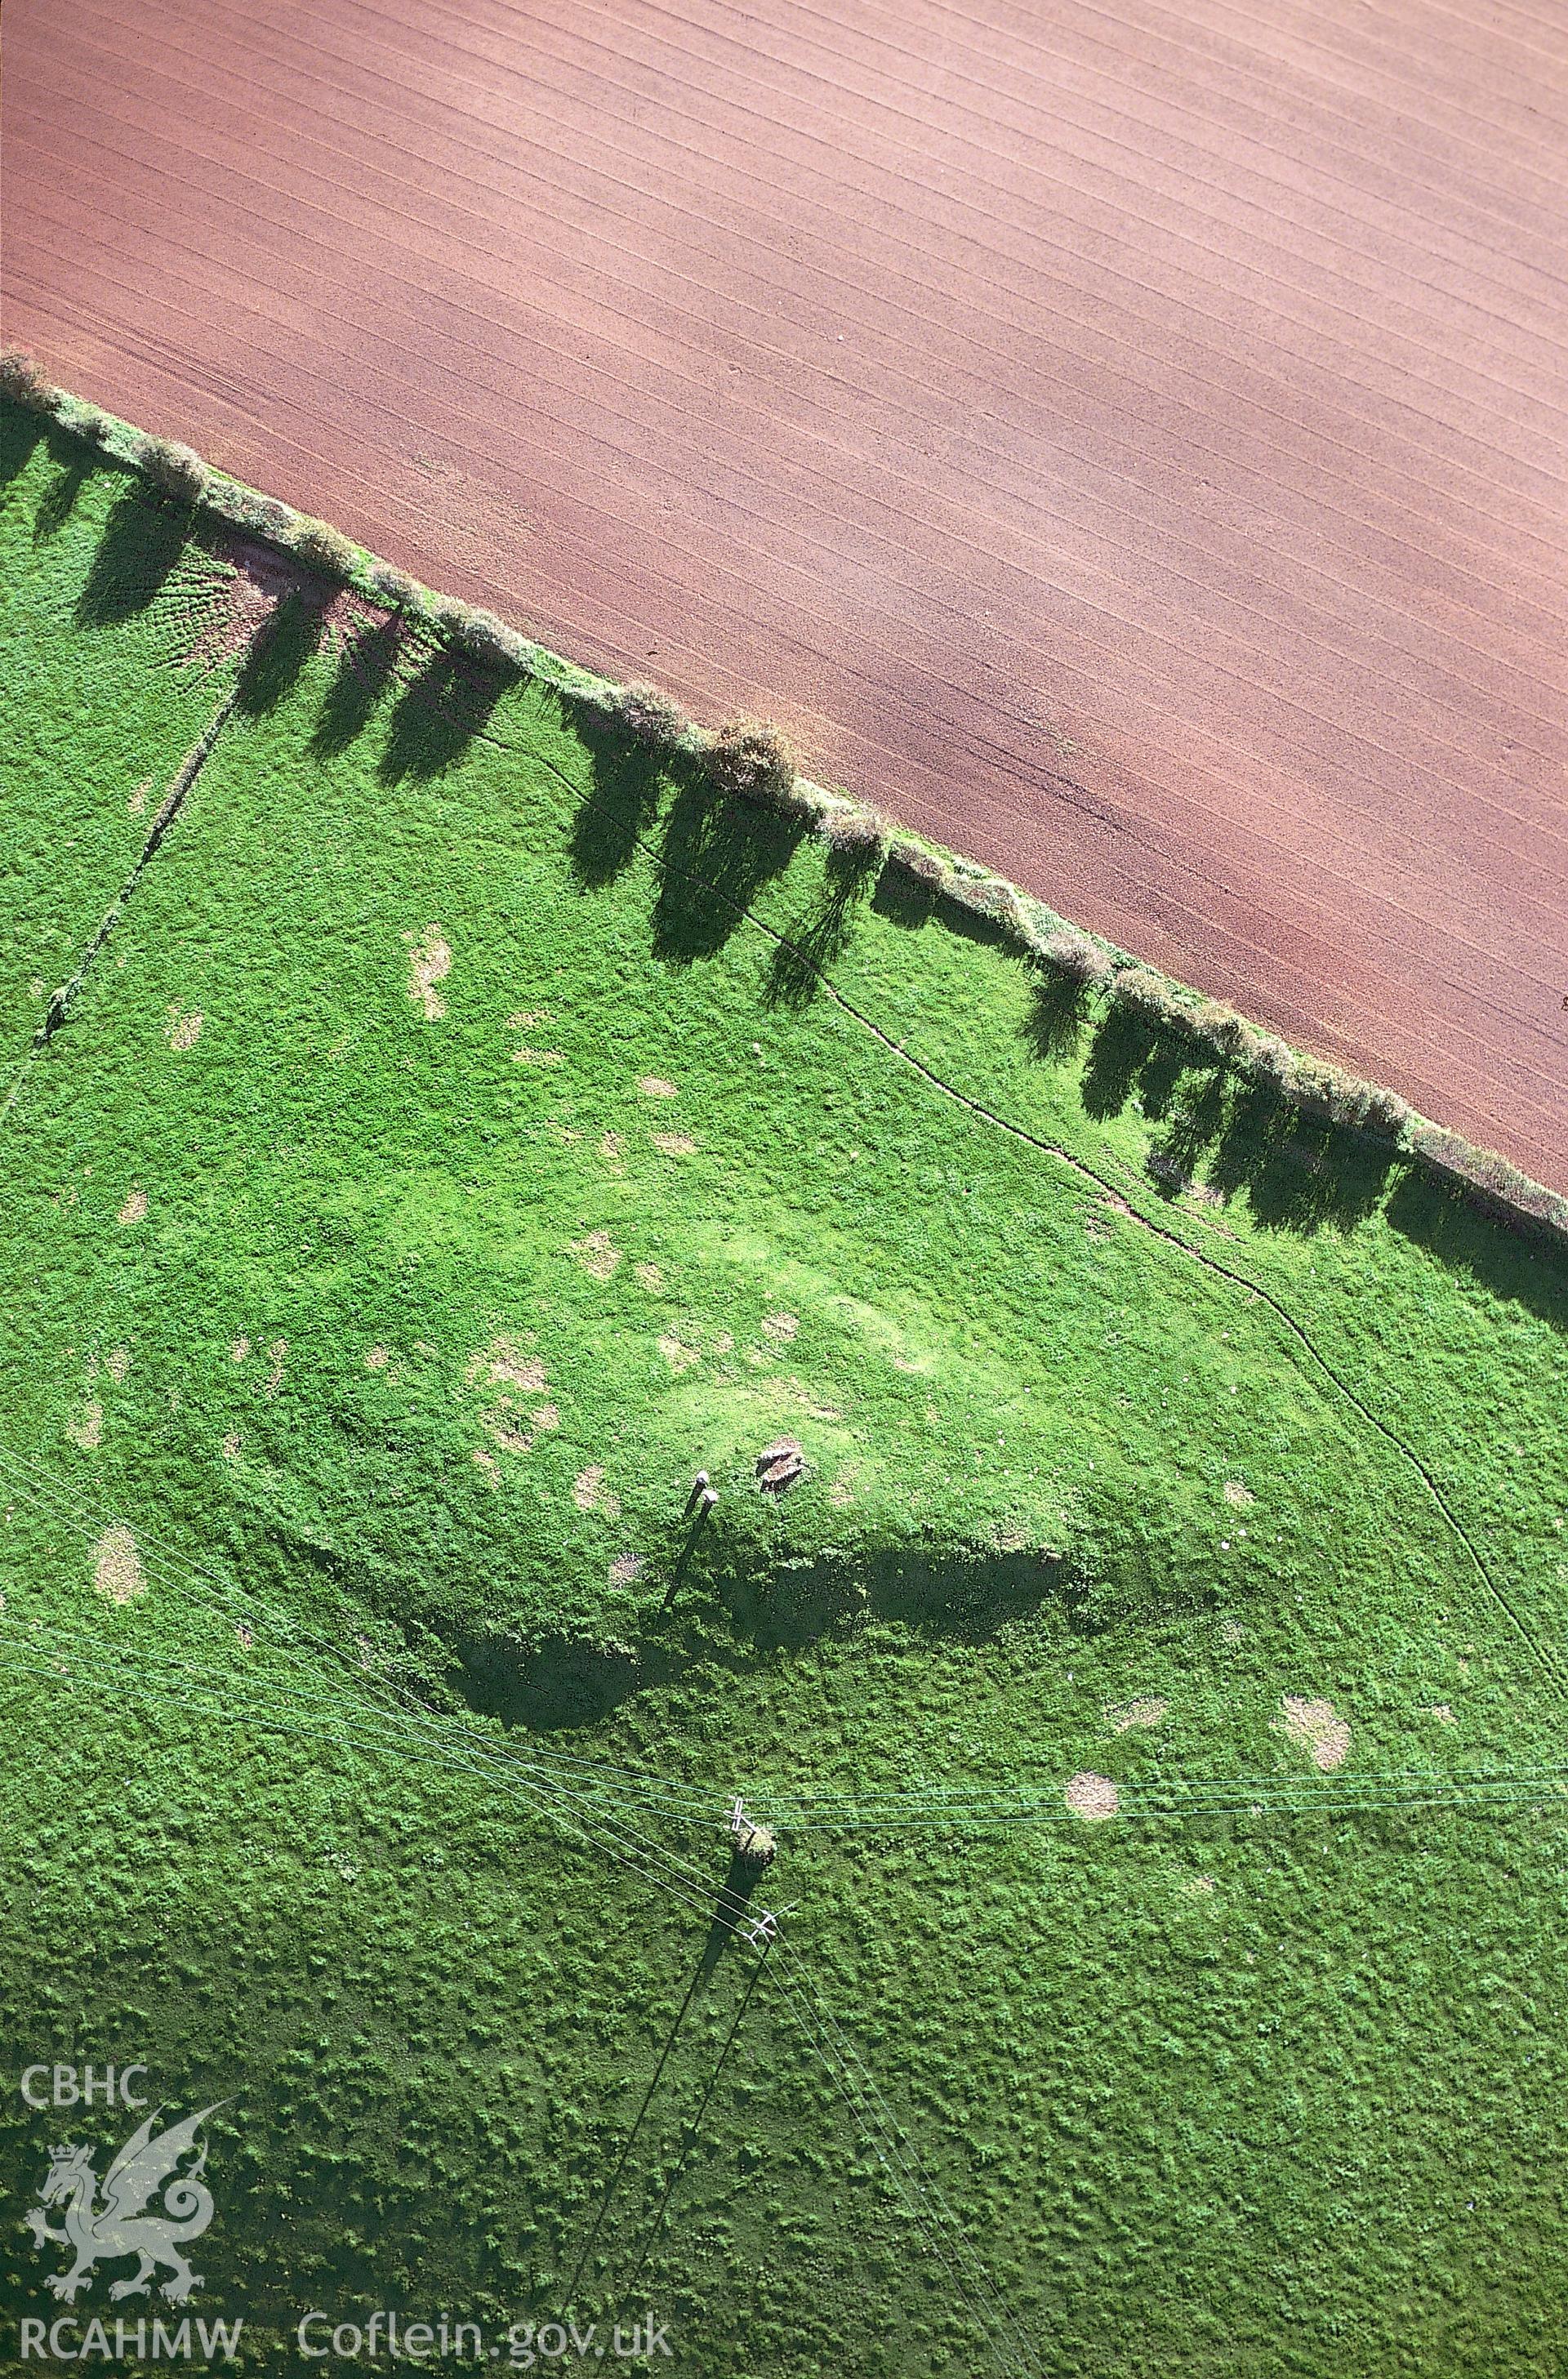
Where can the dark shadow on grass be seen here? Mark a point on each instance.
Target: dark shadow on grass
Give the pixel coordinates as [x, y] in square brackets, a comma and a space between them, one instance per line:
[364, 665]
[1298, 1172]
[144, 538]
[750, 1614]
[436, 717]
[1057, 1011]
[20, 430]
[718, 853]
[812, 944]
[59, 498]
[731, 1912]
[902, 898]
[1519, 1265]
[621, 809]
[284, 643]
[1122, 1047]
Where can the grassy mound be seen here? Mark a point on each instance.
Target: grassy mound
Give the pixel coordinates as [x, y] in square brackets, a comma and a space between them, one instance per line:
[477, 1124]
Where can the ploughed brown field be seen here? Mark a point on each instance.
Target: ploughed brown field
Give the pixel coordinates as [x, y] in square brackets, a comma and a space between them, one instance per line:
[1124, 438]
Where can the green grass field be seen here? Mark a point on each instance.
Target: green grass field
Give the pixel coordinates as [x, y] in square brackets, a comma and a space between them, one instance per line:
[468, 1132]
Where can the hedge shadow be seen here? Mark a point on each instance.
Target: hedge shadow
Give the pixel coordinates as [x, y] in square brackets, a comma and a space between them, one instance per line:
[814, 940]
[287, 638]
[21, 432]
[1298, 1172]
[144, 538]
[364, 669]
[58, 501]
[437, 717]
[1515, 1263]
[716, 854]
[621, 811]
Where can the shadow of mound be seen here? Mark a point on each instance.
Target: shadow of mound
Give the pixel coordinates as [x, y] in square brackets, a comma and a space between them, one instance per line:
[749, 1620]
[564, 1683]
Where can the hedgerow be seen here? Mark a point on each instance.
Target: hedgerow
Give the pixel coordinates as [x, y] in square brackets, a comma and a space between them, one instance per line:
[750, 760]
[174, 470]
[651, 716]
[325, 548]
[21, 381]
[923, 867]
[1073, 954]
[857, 834]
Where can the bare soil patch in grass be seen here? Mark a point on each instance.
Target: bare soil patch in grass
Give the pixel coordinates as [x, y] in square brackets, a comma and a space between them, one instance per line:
[116, 1566]
[1316, 1727]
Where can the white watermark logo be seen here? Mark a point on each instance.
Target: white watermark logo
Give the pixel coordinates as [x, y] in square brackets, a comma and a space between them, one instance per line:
[524, 2346]
[148, 2208]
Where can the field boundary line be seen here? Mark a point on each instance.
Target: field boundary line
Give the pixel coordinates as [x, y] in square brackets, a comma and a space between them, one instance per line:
[62, 1000]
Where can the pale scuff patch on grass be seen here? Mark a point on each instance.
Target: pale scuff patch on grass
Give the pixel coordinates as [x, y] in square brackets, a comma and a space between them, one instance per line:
[1092, 1796]
[1231, 1631]
[135, 801]
[1442, 1714]
[654, 1086]
[610, 1149]
[625, 1568]
[1316, 1726]
[546, 1417]
[598, 1254]
[650, 1277]
[529, 1020]
[117, 1362]
[678, 1358]
[505, 1365]
[500, 1428]
[841, 1493]
[116, 1566]
[1146, 1710]
[86, 1426]
[780, 1325]
[489, 1468]
[230, 1446]
[1199, 1887]
[183, 1031]
[239, 1350]
[590, 1493]
[135, 1208]
[377, 1359]
[430, 962]
[1240, 1498]
[674, 1144]
[275, 1355]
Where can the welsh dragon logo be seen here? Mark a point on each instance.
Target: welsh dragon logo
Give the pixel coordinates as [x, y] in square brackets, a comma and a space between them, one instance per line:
[122, 2224]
